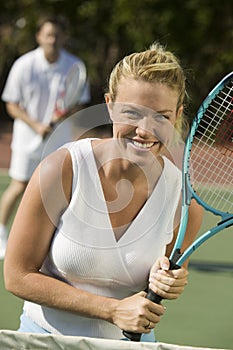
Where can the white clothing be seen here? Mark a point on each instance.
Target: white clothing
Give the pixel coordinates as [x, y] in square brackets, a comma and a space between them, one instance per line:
[35, 84]
[84, 251]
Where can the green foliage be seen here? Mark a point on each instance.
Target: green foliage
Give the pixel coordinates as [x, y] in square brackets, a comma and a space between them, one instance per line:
[101, 32]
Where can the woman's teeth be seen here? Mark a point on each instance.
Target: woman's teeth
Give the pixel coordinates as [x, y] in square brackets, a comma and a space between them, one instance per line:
[143, 145]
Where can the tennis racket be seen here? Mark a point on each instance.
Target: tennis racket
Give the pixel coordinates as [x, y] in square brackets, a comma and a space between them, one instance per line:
[71, 89]
[69, 94]
[207, 172]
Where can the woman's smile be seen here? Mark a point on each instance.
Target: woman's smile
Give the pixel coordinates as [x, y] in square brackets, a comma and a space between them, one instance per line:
[143, 145]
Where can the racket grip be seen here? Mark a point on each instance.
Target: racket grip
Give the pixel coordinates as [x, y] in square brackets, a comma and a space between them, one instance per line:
[153, 297]
[132, 336]
[156, 299]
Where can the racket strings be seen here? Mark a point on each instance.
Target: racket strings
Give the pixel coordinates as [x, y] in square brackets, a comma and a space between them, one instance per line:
[71, 89]
[218, 109]
[211, 158]
[211, 180]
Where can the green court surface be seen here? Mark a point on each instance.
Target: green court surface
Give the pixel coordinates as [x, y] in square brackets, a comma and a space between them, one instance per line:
[202, 316]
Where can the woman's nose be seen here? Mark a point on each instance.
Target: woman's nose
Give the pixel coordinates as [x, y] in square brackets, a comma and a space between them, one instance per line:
[144, 127]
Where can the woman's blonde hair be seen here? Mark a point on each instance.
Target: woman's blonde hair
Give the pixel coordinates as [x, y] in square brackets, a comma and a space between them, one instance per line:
[153, 65]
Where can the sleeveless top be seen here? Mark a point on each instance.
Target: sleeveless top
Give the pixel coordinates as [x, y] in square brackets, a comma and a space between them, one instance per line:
[85, 254]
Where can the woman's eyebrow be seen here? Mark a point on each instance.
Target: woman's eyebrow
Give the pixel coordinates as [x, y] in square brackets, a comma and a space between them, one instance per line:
[139, 109]
[164, 111]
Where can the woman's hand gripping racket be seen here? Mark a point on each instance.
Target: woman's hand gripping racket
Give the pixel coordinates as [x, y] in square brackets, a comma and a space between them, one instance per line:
[207, 174]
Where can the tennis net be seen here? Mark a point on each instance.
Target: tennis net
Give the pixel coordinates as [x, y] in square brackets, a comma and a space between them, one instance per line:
[25, 341]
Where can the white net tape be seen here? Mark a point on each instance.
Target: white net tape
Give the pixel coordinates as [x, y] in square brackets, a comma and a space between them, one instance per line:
[28, 341]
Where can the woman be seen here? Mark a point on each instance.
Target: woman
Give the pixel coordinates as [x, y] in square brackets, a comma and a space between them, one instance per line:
[100, 216]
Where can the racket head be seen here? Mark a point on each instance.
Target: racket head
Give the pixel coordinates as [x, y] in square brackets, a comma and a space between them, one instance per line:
[208, 162]
[72, 88]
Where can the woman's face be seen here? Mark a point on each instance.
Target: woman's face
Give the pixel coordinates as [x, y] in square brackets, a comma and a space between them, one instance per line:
[143, 116]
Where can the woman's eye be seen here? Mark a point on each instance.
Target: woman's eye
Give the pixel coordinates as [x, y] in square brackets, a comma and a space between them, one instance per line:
[161, 117]
[132, 114]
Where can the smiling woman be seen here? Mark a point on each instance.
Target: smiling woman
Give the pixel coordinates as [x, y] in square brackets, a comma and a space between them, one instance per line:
[143, 113]
[92, 209]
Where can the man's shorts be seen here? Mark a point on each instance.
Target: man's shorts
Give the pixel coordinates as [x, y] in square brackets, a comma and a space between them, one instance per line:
[22, 165]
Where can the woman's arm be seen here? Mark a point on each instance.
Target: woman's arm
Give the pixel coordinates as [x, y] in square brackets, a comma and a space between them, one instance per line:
[170, 283]
[46, 197]
[195, 217]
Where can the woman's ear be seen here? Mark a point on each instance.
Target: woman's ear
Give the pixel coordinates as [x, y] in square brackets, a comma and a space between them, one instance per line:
[179, 112]
[108, 102]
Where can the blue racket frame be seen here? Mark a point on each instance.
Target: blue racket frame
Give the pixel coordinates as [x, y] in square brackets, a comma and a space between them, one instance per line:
[177, 257]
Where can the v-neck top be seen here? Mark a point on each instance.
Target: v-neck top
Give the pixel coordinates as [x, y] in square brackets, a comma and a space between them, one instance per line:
[85, 253]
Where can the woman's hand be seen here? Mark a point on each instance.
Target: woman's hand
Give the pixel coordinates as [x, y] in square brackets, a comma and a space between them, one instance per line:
[169, 284]
[137, 314]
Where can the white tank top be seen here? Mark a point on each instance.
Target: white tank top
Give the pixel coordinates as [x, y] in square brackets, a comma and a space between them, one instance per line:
[85, 253]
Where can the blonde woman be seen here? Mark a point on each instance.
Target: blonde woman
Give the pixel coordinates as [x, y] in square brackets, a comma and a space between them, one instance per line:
[99, 217]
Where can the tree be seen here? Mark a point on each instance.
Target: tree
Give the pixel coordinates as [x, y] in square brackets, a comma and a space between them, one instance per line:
[102, 32]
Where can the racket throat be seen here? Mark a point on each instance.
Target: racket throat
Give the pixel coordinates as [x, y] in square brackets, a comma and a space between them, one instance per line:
[175, 257]
[226, 219]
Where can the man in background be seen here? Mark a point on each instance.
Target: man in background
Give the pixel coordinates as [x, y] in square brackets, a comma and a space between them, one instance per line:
[30, 94]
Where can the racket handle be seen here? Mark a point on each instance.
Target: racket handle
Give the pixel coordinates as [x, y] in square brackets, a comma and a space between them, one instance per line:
[156, 299]
[132, 336]
[153, 297]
